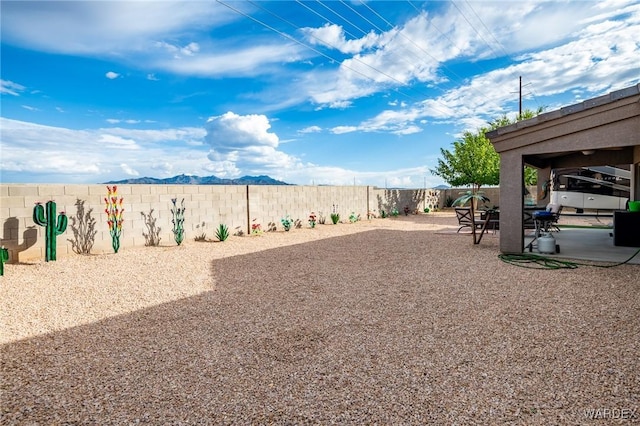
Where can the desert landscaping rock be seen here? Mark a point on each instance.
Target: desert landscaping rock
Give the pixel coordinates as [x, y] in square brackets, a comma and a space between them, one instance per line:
[379, 322]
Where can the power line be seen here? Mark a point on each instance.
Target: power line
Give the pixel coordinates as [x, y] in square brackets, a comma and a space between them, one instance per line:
[323, 17]
[341, 17]
[458, 79]
[503, 50]
[287, 36]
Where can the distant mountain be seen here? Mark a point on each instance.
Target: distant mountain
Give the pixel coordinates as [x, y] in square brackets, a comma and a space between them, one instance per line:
[197, 180]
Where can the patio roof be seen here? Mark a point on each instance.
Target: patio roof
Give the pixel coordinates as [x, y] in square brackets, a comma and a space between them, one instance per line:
[599, 131]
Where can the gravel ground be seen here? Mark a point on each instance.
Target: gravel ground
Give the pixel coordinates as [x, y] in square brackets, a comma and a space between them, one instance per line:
[390, 321]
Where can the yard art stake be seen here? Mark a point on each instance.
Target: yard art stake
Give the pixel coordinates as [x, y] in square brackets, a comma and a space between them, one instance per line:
[4, 256]
[53, 228]
[114, 212]
[178, 220]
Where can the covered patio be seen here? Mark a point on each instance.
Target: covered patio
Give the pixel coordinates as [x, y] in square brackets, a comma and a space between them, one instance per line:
[599, 131]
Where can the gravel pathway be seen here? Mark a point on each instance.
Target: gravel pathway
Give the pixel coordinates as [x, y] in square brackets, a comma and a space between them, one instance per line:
[381, 322]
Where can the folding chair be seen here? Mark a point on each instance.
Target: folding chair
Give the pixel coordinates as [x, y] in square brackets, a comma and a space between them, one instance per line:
[463, 214]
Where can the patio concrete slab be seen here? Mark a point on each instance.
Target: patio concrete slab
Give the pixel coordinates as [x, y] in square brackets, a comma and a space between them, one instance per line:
[593, 244]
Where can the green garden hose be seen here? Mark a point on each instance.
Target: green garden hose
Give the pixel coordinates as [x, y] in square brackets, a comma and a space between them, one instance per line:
[535, 261]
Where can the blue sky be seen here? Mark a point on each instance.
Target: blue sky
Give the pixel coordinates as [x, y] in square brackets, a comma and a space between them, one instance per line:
[309, 92]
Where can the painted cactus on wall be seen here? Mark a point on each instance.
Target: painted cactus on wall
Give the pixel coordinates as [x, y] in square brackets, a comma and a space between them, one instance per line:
[4, 256]
[54, 226]
[114, 212]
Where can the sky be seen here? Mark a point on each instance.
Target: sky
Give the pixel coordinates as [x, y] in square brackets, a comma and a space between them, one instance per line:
[307, 92]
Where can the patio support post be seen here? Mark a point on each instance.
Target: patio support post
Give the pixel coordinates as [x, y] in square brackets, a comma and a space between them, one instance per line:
[511, 202]
[635, 175]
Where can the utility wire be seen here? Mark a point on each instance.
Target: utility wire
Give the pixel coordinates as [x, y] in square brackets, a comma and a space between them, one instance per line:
[343, 18]
[497, 54]
[440, 63]
[326, 43]
[497, 42]
[323, 17]
[287, 36]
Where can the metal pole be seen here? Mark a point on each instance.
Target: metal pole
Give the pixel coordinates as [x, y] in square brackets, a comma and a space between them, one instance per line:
[520, 108]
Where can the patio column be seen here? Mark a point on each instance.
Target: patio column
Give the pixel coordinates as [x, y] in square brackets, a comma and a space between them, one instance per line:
[635, 175]
[511, 202]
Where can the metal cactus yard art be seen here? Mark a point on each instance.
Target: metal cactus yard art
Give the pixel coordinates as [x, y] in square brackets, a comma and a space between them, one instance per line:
[54, 226]
[178, 220]
[114, 212]
[4, 256]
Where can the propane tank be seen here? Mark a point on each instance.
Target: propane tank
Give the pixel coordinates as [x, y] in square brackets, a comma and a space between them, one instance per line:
[546, 243]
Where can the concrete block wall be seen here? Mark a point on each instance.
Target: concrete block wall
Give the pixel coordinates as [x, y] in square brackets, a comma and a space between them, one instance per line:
[25, 240]
[272, 203]
[207, 206]
[233, 205]
[415, 199]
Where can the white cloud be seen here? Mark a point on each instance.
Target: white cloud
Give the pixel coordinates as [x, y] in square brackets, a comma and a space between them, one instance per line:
[112, 75]
[310, 129]
[339, 130]
[116, 142]
[601, 58]
[244, 142]
[177, 51]
[152, 77]
[30, 108]
[95, 155]
[11, 88]
[128, 170]
[421, 49]
[333, 36]
[147, 34]
[238, 60]
[108, 28]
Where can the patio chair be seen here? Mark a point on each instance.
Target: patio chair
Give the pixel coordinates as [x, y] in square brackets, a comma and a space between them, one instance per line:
[463, 214]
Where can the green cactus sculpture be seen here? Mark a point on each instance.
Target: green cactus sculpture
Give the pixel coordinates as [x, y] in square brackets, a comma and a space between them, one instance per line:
[52, 228]
[4, 256]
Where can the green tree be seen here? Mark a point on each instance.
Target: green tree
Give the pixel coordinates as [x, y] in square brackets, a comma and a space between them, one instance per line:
[474, 162]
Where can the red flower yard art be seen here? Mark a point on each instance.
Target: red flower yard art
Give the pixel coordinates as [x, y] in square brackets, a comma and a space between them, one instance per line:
[114, 210]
